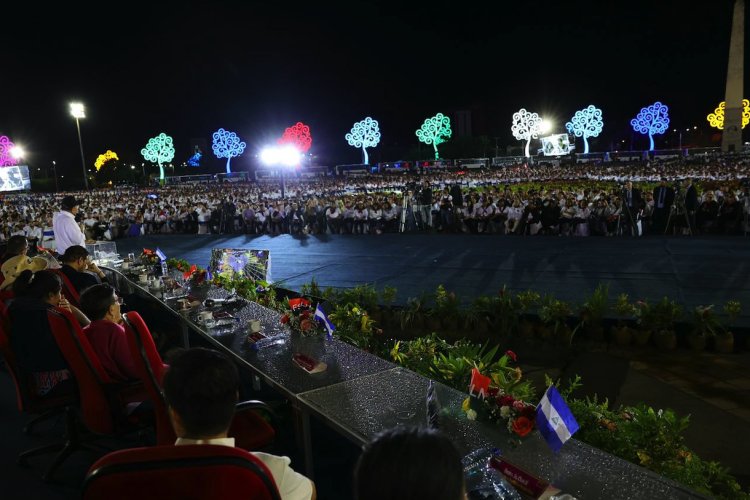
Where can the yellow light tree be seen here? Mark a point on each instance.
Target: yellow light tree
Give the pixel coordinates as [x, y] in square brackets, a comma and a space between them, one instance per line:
[716, 119]
[104, 158]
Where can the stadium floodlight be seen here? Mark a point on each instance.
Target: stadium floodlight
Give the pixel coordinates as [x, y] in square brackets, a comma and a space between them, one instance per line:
[77, 111]
[17, 152]
[286, 156]
[545, 126]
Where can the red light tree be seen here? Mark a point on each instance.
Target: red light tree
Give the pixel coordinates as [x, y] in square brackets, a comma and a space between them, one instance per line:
[298, 136]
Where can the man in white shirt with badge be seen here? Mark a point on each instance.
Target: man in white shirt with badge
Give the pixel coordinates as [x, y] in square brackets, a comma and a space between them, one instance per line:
[67, 231]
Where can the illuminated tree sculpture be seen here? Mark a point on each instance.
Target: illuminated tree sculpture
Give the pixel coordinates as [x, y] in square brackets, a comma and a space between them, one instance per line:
[227, 145]
[716, 119]
[298, 136]
[526, 126]
[364, 134]
[104, 158]
[435, 131]
[5, 148]
[195, 160]
[652, 120]
[159, 150]
[586, 123]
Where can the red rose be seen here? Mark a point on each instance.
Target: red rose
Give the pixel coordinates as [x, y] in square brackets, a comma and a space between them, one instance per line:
[285, 319]
[492, 391]
[304, 315]
[511, 355]
[519, 406]
[522, 426]
[506, 400]
[305, 325]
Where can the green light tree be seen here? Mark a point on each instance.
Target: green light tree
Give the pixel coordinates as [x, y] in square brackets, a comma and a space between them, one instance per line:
[159, 150]
[435, 131]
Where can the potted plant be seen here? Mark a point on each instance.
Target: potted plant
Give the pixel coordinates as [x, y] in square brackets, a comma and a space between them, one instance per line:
[664, 315]
[705, 326]
[412, 316]
[622, 333]
[644, 322]
[445, 312]
[526, 300]
[724, 339]
[387, 298]
[593, 311]
[554, 315]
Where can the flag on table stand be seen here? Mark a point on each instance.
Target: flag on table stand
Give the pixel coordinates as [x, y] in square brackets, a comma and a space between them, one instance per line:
[320, 315]
[554, 419]
[162, 256]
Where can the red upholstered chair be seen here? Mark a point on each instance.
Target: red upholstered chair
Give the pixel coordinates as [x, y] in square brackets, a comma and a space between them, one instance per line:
[193, 472]
[68, 290]
[250, 430]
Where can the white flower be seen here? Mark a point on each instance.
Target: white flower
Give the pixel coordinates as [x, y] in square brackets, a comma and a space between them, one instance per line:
[471, 414]
[505, 411]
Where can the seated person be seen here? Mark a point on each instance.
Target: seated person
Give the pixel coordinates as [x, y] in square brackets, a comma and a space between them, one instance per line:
[107, 337]
[200, 387]
[31, 339]
[17, 245]
[79, 269]
[409, 462]
[14, 266]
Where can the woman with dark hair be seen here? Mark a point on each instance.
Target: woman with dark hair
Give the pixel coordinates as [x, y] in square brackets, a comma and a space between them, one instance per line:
[409, 462]
[31, 339]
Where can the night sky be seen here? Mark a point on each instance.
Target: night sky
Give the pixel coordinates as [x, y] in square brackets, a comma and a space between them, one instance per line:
[256, 68]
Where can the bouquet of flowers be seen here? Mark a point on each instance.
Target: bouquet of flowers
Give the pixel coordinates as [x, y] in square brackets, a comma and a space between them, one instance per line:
[299, 317]
[501, 397]
[149, 257]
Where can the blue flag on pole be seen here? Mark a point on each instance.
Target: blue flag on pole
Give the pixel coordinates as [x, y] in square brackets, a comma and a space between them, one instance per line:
[554, 419]
[160, 254]
[320, 315]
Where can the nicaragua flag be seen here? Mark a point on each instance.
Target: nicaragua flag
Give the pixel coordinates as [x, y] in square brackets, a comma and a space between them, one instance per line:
[320, 315]
[554, 419]
[160, 254]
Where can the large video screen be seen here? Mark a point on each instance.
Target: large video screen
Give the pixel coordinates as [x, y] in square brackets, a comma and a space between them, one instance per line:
[14, 178]
[556, 145]
[233, 263]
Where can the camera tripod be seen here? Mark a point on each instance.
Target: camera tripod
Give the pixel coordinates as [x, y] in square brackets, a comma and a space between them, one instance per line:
[631, 220]
[678, 205]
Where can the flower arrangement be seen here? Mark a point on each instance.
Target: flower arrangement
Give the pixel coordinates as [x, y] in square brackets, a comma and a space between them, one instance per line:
[299, 317]
[149, 257]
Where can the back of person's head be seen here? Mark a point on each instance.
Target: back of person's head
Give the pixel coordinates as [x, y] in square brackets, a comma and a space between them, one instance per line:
[409, 462]
[39, 285]
[96, 300]
[201, 387]
[16, 245]
[73, 253]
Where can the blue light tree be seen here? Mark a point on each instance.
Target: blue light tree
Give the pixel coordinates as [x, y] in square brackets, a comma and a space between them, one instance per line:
[195, 160]
[364, 134]
[652, 120]
[586, 123]
[227, 145]
[158, 150]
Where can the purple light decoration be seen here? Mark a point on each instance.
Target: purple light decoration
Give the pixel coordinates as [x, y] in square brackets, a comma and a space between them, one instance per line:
[6, 159]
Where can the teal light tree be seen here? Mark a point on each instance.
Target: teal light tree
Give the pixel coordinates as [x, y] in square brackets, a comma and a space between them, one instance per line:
[586, 123]
[159, 150]
[435, 131]
[364, 134]
[227, 145]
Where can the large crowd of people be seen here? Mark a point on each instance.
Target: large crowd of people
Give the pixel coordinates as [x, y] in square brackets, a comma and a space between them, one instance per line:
[704, 196]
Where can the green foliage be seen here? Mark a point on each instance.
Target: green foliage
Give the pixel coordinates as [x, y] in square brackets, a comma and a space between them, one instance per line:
[527, 300]
[595, 307]
[446, 304]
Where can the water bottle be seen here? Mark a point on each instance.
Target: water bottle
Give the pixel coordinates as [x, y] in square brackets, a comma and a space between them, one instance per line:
[484, 481]
[164, 269]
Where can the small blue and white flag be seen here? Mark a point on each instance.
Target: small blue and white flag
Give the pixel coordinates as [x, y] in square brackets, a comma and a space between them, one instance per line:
[320, 315]
[554, 419]
[160, 254]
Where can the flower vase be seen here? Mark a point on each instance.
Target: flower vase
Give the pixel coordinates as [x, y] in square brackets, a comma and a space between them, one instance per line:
[642, 337]
[623, 335]
[724, 343]
[665, 340]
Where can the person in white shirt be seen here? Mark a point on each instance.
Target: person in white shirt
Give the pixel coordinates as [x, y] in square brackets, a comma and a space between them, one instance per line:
[67, 231]
[201, 389]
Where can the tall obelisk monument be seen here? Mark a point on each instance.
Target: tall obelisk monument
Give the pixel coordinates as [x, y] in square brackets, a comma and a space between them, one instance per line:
[731, 139]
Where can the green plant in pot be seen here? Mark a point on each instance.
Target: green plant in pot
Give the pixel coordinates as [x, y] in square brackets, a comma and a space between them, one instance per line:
[644, 323]
[479, 315]
[445, 311]
[387, 298]
[593, 311]
[724, 339]
[706, 325]
[411, 317]
[554, 315]
[663, 316]
[626, 311]
[526, 301]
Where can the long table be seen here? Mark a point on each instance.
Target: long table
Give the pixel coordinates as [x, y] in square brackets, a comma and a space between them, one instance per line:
[360, 394]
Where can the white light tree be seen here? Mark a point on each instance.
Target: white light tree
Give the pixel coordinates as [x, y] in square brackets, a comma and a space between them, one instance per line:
[158, 150]
[227, 145]
[364, 134]
[435, 131]
[586, 123]
[526, 126]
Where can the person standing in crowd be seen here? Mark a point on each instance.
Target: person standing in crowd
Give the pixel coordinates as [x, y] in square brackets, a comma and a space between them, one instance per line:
[201, 388]
[67, 231]
[425, 205]
[691, 202]
[409, 462]
[663, 199]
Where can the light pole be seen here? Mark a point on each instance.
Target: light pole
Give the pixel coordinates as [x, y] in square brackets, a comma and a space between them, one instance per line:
[54, 169]
[282, 157]
[76, 109]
